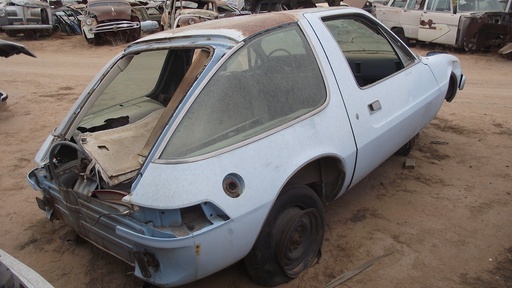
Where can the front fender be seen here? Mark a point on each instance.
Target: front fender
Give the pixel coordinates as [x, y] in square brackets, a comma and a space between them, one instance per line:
[447, 70]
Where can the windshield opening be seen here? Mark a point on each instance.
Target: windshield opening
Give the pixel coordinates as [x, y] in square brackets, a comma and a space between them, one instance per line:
[131, 106]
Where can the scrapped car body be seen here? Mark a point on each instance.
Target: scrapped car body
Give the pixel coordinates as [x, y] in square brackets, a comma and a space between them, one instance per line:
[8, 49]
[468, 24]
[484, 30]
[147, 25]
[199, 146]
[67, 20]
[110, 19]
[31, 18]
[183, 13]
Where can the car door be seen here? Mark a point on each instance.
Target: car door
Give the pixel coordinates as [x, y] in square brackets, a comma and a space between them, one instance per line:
[410, 18]
[438, 24]
[390, 14]
[389, 94]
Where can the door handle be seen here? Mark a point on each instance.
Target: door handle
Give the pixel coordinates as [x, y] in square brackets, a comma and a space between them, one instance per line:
[374, 106]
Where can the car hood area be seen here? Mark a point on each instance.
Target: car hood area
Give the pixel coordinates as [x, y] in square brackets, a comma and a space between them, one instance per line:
[105, 10]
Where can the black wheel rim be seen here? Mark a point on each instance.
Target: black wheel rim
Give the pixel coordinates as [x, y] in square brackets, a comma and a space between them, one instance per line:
[300, 239]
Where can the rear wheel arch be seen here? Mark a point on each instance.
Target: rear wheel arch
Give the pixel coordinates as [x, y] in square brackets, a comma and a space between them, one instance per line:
[400, 33]
[291, 236]
[325, 176]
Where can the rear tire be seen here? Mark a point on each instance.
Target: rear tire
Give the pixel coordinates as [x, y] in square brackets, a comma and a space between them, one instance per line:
[30, 35]
[291, 238]
[407, 148]
[11, 33]
[399, 32]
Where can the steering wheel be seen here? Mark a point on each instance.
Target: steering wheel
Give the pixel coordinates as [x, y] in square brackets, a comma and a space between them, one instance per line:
[279, 50]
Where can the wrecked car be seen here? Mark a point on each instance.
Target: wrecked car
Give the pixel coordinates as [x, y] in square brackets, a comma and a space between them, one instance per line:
[184, 13]
[473, 25]
[8, 49]
[199, 146]
[67, 20]
[155, 11]
[112, 20]
[147, 25]
[30, 18]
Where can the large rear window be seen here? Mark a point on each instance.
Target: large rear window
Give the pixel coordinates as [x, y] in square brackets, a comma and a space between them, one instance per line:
[271, 81]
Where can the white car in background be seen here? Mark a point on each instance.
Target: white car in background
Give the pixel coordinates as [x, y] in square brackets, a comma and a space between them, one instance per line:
[473, 25]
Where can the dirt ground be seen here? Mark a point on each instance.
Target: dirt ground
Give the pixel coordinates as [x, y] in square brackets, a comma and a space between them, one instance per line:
[445, 223]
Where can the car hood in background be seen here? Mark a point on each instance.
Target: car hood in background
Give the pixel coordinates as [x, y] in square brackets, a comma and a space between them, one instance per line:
[105, 11]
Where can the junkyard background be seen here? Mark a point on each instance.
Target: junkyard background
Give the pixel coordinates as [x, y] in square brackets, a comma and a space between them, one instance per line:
[446, 223]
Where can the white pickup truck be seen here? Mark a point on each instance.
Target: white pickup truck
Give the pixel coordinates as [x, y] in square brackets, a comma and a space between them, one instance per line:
[470, 24]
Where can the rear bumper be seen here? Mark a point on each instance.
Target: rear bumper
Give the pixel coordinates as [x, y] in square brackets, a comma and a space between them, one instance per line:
[27, 27]
[159, 257]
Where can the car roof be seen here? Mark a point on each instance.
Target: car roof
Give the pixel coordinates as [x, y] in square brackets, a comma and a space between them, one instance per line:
[237, 28]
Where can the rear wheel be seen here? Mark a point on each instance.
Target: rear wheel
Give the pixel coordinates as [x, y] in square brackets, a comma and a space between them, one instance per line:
[291, 238]
[11, 33]
[399, 32]
[407, 148]
[30, 35]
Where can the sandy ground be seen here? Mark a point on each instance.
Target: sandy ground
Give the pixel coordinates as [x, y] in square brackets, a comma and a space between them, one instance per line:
[446, 223]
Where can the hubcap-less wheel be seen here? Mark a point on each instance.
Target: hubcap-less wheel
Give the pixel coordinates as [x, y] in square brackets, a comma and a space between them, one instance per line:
[399, 32]
[30, 35]
[290, 239]
[297, 246]
[407, 148]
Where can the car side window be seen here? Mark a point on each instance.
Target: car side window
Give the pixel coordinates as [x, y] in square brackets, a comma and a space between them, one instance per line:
[415, 4]
[371, 54]
[440, 5]
[270, 81]
[399, 4]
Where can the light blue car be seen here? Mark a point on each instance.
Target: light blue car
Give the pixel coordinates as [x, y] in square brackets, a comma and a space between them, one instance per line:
[201, 146]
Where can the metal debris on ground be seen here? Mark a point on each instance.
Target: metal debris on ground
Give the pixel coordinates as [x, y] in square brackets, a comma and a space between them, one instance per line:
[349, 274]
